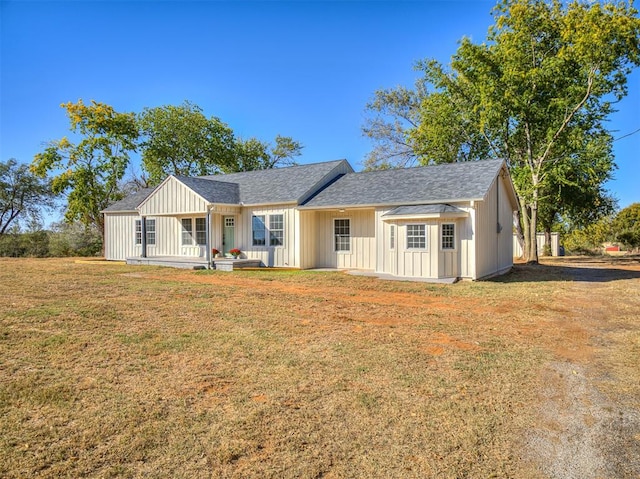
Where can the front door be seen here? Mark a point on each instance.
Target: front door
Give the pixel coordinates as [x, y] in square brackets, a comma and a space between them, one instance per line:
[228, 233]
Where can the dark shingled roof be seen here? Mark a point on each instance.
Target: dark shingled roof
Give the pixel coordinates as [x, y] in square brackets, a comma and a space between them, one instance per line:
[278, 185]
[211, 190]
[428, 184]
[131, 202]
[438, 208]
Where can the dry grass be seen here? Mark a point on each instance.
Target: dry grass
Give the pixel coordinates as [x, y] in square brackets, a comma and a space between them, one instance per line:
[115, 371]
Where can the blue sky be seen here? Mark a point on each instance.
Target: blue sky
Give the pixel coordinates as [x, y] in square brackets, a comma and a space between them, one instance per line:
[300, 69]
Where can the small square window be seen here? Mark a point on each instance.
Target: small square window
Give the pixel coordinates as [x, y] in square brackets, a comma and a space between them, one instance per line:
[416, 237]
[448, 238]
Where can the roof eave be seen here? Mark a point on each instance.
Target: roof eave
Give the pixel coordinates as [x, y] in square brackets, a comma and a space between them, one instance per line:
[390, 204]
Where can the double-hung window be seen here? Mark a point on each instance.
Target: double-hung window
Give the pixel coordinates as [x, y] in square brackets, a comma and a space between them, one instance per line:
[201, 231]
[151, 231]
[392, 236]
[189, 225]
[448, 236]
[267, 226]
[342, 234]
[187, 232]
[259, 229]
[416, 237]
[276, 230]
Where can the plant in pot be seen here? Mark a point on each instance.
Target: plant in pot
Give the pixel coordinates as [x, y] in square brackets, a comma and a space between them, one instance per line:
[235, 252]
[215, 253]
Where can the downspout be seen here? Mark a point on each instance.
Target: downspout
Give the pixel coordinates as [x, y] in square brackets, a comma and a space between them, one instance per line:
[498, 225]
[143, 232]
[208, 242]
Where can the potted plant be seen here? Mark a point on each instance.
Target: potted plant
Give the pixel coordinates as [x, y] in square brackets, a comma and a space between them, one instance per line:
[214, 253]
[235, 252]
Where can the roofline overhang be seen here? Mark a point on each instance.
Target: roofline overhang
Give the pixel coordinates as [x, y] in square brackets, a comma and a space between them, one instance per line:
[426, 216]
[118, 211]
[276, 203]
[390, 205]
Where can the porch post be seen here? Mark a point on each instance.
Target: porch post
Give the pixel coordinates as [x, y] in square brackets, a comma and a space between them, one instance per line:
[143, 231]
[208, 228]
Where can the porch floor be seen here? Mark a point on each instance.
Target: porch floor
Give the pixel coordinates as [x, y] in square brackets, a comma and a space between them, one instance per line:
[185, 262]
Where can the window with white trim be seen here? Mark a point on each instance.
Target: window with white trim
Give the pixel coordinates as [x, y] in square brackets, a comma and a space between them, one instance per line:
[191, 225]
[448, 236]
[151, 231]
[259, 230]
[342, 234]
[187, 232]
[201, 231]
[392, 236]
[416, 237]
[138, 232]
[276, 230]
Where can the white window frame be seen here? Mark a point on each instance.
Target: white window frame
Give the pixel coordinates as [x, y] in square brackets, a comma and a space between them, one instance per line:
[418, 236]
[191, 237]
[271, 237]
[151, 232]
[341, 236]
[200, 235]
[274, 240]
[263, 240]
[392, 237]
[452, 236]
[186, 235]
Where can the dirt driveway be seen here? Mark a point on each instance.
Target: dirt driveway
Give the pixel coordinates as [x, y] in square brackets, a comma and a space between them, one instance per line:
[589, 421]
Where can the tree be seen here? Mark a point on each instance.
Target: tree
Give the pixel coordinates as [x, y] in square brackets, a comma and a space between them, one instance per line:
[626, 226]
[180, 140]
[90, 171]
[23, 195]
[531, 95]
[253, 154]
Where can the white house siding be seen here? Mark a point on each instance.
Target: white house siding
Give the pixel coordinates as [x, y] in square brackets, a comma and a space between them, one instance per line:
[494, 251]
[278, 256]
[363, 243]
[119, 240]
[431, 262]
[307, 236]
[173, 198]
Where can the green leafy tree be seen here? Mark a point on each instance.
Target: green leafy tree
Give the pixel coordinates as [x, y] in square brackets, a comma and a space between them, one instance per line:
[180, 140]
[253, 154]
[89, 172]
[626, 226]
[532, 95]
[23, 195]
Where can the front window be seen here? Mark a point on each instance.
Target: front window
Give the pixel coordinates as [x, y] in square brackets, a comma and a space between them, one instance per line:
[342, 234]
[201, 231]
[276, 230]
[151, 231]
[187, 232]
[448, 236]
[138, 232]
[259, 231]
[416, 237]
[392, 237]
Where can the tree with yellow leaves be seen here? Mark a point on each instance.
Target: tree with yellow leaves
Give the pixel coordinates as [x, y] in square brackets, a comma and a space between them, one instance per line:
[89, 172]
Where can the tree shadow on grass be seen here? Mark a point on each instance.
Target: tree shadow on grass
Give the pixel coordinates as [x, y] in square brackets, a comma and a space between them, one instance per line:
[578, 271]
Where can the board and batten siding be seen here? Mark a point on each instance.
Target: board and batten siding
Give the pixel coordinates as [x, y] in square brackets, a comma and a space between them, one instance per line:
[277, 256]
[173, 198]
[119, 235]
[307, 236]
[363, 242]
[430, 262]
[494, 250]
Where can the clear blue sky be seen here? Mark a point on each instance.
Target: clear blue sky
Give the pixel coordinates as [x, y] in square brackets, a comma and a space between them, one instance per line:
[300, 69]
